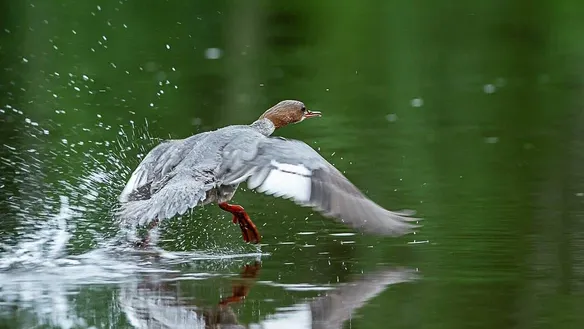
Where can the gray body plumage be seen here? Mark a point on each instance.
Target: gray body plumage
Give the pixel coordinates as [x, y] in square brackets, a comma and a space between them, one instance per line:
[208, 167]
[178, 175]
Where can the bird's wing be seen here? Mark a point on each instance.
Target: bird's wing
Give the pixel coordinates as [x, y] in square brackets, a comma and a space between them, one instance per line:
[154, 168]
[179, 193]
[333, 309]
[291, 169]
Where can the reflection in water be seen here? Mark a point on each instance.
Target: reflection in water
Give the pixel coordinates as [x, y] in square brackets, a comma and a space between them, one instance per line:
[43, 294]
[157, 303]
[147, 291]
[333, 310]
[336, 307]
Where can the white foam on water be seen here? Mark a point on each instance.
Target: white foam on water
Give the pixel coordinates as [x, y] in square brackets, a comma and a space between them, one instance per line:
[44, 245]
[45, 291]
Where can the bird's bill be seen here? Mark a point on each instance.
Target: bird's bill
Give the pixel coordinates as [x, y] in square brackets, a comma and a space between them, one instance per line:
[312, 114]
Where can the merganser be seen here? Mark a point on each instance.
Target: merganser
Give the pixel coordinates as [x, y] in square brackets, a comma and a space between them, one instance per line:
[208, 167]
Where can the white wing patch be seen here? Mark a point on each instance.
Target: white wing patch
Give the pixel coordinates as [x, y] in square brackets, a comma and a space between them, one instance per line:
[284, 180]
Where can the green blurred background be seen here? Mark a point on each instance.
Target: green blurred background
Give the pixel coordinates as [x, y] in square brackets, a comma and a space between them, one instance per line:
[469, 112]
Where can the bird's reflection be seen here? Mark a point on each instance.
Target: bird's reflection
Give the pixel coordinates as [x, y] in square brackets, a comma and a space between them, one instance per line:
[332, 310]
[160, 304]
[156, 302]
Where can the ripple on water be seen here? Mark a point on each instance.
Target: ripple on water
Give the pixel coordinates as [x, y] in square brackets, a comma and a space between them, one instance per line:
[342, 234]
[297, 286]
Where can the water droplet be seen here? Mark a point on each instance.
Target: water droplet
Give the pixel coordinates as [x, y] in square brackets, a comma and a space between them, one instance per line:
[489, 88]
[491, 140]
[213, 53]
[417, 102]
[392, 117]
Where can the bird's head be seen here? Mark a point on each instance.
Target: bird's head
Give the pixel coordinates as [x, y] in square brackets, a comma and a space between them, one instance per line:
[287, 112]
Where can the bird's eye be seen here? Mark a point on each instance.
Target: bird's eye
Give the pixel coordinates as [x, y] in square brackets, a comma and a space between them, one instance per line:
[303, 109]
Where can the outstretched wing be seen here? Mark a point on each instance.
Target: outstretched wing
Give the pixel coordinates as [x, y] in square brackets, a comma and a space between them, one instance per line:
[158, 190]
[291, 169]
[180, 193]
[154, 168]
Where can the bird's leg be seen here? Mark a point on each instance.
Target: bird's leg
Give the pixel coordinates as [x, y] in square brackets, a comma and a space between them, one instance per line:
[145, 241]
[248, 229]
[240, 288]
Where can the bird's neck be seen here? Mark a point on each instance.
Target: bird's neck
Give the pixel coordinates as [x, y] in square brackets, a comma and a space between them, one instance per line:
[264, 126]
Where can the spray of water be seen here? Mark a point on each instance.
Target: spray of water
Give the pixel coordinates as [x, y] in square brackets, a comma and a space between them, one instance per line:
[59, 191]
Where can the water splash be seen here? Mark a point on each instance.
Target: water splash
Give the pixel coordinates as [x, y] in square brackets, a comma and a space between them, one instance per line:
[59, 190]
[42, 246]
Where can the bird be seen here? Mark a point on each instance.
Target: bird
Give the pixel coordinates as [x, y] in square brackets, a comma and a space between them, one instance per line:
[153, 301]
[208, 167]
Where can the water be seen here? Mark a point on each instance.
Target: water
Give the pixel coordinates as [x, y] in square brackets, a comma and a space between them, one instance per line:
[470, 114]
